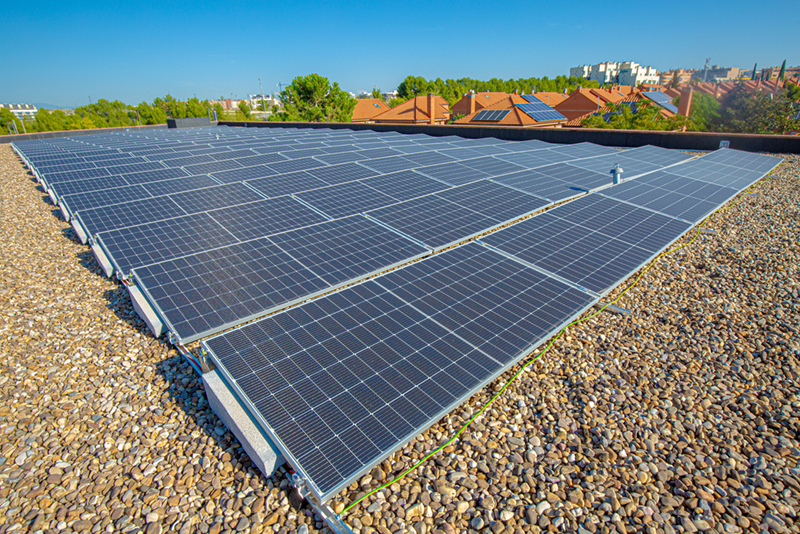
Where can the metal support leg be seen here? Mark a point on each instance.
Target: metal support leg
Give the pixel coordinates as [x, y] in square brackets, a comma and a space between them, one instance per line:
[332, 519]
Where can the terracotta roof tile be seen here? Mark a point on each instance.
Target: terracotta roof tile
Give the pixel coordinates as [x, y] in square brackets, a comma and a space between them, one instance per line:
[416, 111]
[515, 117]
[482, 100]
[550, 98]
[367, 108]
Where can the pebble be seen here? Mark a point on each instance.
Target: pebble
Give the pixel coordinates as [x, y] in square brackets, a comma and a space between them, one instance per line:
[678, 417]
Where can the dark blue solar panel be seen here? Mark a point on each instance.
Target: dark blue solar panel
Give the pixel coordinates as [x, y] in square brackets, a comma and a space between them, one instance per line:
[538, 113]
[103, 197]
[284, 184]
[220, 196]
[346, 199]
[165, 187]
[405, 185]
[266, 217]
[344, 380]
[491, 115]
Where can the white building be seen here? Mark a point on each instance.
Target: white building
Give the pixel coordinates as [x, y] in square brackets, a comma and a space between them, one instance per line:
[605, 72]
[21, 111]
[633, 74]
[623, 73]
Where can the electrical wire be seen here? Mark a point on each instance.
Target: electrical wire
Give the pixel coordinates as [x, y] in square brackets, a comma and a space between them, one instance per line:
[538, 356]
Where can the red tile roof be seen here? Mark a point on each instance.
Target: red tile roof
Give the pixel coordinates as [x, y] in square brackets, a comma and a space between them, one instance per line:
[515, 117]
[367, 108]
[550, 98]
[482, 100]
[416, 111]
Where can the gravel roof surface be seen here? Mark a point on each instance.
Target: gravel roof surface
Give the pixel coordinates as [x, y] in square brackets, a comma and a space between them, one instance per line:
[681, 417]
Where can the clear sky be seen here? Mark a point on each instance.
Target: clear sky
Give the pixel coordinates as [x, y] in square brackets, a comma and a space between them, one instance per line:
[64, 52]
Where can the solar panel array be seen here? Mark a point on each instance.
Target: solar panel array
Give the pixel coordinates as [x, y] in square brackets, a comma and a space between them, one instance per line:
[353, 373]
[539, 111]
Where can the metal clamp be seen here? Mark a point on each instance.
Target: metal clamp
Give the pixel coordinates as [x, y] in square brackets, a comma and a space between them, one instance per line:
[331, 518]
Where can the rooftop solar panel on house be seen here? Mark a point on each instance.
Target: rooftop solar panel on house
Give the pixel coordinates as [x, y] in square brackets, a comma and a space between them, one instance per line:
[541, 112]
[661, 99]
[491, 115]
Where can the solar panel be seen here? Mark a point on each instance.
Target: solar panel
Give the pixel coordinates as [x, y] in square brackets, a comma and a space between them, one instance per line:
[237, 282]
[494, 200]
[70, 176]
[538, 158]
[424, 159]
[662, 100]
[339, 174]
[604, 164]
[740, 172]
[405, 185]
[389, 165]
[433, 221]
[292, 165]
[132, 168]
[491, 115]
[154, 176]
[541, 112]
[153, 242]
[128, 214]
[245, 173]
[555, 182]
[266, 217]
[216, 166]
[262, 159]
[593, 241]
[284, 184]
[345, 199]
[211, 198]
[176, 185]
[103, 197]
[491, 166]
[453, 173]
[341, 382]
[187, 160]
[86, 186]
[342, 157]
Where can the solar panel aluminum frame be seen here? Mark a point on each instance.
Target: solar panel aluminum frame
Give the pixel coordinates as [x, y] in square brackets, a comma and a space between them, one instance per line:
[176, 339]
[324, 497]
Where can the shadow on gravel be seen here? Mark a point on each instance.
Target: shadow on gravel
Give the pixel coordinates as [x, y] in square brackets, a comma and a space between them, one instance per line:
[120, 303]
[185, 389]
[70, 234]
[86, 258]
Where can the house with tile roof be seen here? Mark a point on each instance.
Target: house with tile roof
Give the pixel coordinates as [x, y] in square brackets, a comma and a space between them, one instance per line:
[511, 111]
[367, 108]
[472, 102]
[429, 109]
[631, 100]
[552, 99]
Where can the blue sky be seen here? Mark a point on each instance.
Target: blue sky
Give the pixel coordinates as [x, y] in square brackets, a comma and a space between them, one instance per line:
[62, 53]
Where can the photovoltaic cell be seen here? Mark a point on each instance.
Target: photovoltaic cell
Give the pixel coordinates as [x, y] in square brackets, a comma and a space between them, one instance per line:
[339, 174]
[284, 184]
[453, 173]
[103, 197]
[128, 214]
[555, 182]
[491, 115]
[177, 185]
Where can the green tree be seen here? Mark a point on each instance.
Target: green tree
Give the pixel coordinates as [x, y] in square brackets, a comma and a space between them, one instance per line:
[646, 116]
[792, 91]
[196, 108]
[759, 112]
[313, 98]
[244, 109]
[704, 111]
[376, 93]
[7, 117]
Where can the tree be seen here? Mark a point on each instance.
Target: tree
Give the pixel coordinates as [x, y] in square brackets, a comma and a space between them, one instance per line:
[313, 98]
[759, 112]
[792, 92]
[643, 115]
[704, 111]
[376, 93]
[676, 79]
[244, 109]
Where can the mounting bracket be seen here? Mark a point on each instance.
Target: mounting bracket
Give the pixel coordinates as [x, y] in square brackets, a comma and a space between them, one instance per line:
[331, 518]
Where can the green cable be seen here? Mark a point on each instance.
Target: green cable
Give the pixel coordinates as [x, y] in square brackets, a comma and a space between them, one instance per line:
[535, 358]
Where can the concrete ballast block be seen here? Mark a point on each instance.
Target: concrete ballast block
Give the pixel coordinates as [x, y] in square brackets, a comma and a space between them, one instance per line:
[227, 407]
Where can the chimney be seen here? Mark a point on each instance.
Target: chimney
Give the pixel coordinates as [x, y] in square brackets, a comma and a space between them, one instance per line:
[685, 104]
[471, 100]
[716, 91]
[431, 108]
